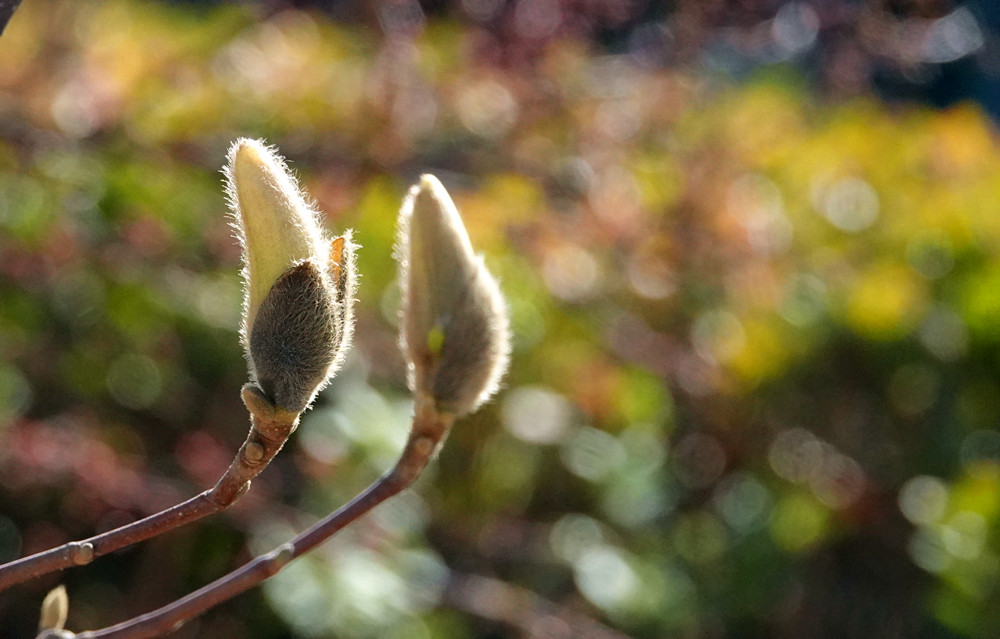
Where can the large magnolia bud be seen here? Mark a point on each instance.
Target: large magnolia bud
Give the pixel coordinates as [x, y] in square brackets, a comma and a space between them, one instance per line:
[453, 323]
[299, 285]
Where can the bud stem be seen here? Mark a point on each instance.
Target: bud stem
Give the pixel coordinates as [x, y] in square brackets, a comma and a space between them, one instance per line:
[428, 431]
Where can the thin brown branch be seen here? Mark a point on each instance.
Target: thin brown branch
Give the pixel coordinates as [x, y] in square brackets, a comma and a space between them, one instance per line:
[80, 553]
[7, 9]
[270, 428]
[426, 436]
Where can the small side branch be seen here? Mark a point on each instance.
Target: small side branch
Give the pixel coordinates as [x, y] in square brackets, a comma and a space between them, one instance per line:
[269, 430]
[80, 553]
[429, 430]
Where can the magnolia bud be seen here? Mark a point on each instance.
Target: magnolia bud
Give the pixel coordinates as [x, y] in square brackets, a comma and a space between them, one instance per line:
[454, 327]
[299, 285]
[55, 608]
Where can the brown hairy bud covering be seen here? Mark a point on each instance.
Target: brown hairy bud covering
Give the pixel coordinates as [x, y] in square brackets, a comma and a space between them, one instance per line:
[454, 327]
[295, 337]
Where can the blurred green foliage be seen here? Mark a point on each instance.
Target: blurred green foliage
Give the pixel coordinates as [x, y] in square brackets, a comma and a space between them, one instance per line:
[754, 389]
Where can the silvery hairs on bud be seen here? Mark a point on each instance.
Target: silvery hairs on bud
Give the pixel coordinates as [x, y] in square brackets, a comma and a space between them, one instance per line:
[454, 330]
[299, 284]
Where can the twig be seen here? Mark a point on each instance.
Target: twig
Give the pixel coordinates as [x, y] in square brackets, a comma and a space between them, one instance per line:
[270, 428]
[427, 433]
[7, 9]
[456, 344]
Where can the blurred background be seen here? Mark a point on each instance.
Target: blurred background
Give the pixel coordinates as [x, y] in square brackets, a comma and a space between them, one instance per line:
[751, 250]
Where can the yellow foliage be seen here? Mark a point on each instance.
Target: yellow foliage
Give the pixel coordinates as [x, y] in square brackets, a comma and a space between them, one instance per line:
[886, 302]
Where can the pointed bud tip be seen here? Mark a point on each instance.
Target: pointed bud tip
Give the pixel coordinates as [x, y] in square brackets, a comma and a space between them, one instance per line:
[55, 609]
[428, 195]
[247, 147]
[246, 150]
[252, 161]
[430, 183]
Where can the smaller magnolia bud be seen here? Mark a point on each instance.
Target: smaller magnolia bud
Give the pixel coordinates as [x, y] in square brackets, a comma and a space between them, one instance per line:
[297, 310]
[55, 608]
[454, 328]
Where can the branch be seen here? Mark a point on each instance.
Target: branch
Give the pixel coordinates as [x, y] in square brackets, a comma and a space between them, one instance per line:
[455, 340]
[427, 433]
[270, 428]
[7, 9]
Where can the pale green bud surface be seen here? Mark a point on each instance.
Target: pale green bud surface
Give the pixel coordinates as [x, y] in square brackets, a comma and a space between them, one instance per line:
[277, 228]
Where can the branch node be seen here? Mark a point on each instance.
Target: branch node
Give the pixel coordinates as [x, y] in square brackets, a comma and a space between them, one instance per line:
[424, 445]
[81, 553]
[254, 452]
[279, 558]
